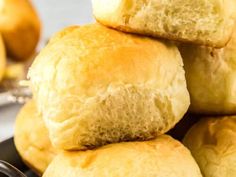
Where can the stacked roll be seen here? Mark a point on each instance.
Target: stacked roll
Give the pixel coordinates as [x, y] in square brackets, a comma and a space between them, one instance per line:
[107, 97]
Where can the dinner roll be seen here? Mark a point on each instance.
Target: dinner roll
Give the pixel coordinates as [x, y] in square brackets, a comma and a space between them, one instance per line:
[162, 157]
[211, 78]
[2, 59]
[32, 140]
[20, 27]
[207, 22]
[95, 85]
[212, 142]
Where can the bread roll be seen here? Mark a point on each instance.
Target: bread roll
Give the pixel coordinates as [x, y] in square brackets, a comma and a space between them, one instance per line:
[2, 59]
[95, 85]
[211, 78]
[20, 27]
[203, 22]
[212, 142]
[32, 139]
[163, 157]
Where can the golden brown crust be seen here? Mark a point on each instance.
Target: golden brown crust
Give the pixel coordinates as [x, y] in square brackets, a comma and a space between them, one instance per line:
[212, 142]
[95, 85]
[32, 140]
[162, 157]
[20, 27]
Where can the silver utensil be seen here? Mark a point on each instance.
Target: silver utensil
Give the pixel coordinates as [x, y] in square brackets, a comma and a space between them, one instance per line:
[12, 92]
[10, 170]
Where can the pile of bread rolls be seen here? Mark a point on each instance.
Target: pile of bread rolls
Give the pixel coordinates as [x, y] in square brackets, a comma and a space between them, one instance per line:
[19, 32]
[105, 94]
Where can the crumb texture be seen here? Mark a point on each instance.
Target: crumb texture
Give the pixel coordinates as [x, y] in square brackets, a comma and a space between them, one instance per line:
[205, 21]
[95, 85]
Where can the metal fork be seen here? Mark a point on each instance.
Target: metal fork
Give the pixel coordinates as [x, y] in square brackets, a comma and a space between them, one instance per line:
[12, 92]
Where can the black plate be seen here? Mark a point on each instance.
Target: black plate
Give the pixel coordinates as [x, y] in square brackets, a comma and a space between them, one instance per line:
[9, 154]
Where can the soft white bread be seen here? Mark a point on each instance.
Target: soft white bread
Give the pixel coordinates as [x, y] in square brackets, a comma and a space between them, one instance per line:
[32, 140]
[2, 58]
[20, 28]
[163, 157]
[211, 78]
[207, 22]
[95, 85]
[212, 142]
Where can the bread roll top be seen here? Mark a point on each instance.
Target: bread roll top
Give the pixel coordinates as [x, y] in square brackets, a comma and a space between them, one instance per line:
[212, 142]
[95, 85]
[163, 156]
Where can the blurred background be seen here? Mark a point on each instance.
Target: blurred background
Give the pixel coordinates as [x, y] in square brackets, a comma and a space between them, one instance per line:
[57, 14]
[54, 15]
